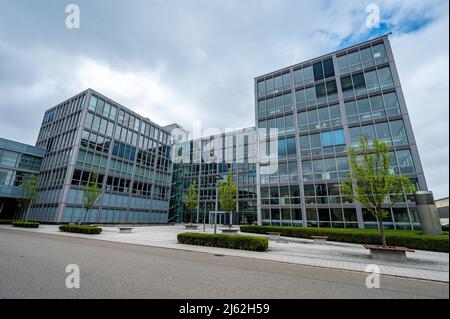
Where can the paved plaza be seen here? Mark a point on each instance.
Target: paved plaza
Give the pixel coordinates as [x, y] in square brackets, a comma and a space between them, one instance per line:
[334, 255]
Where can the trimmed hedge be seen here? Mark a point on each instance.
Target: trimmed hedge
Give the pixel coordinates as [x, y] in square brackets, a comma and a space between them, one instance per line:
[24, 224]
[409, 239]
[80, 229]
[445, 228]
[224, 241]
[6, 221]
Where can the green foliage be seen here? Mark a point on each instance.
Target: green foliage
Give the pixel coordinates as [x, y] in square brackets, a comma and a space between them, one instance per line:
[371, 181]
[24, 224]
[228, 195]
[445, 228]
[224, 241]
[91, 194]
[80, 229]
[403, 238]
[191, 199]
[6, 221]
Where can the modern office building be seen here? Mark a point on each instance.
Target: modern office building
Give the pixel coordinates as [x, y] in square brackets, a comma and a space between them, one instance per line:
[307, 116]
[91, 137]
[17, 162]
[320, 108]
[207, 161]
[442, 206]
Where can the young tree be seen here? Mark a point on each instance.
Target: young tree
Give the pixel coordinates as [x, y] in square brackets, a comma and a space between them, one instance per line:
[29, 188]
[191, 199]
[371, 182]
[227, 195]
[91, 195]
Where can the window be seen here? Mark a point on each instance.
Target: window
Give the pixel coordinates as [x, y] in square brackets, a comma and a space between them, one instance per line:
[298, 77]
[300, 98]
[291, 149]
[290, 124]
[352, 112]
[324, 117]
[328, 68]
[376, 103]
[366, 57]
[278, 84]
[113, 112]
[332, 90]
[262, 108]
[280, 125]
[359, 84]
[383, 134]
[369, 132]
[333, 138]
[92, 103]
[261, 89]
[335, 115]
[321, 93]
[310, 96]
[99, 107]
[343, 64]
[398, 133]
[287, 100]
[405, 162]
[308, 76]
[286, 81]
[303, 121]
[385, 78]
[371, 81]
[347, 86]
[318, 71]
[354, 61]
[307, 170]
[269, 86]
[279, 104]
[270, 106]
[379, 53]
[391, 102]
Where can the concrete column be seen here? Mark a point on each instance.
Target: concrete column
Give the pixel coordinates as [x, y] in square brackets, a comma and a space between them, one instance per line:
[428, 213]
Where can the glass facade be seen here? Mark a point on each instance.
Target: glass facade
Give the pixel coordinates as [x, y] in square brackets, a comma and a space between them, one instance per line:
[324, 106]
[17, 162]
[90, 135]
[314, 111]
[207, 161]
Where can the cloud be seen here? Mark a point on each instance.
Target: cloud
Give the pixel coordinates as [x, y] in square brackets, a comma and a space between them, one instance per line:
[422, 59]
[179, 61]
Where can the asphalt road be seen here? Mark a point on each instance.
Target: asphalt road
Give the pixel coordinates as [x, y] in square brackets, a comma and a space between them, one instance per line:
[34, 266]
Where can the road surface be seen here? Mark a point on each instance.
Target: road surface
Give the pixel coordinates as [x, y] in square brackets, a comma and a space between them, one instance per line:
[33, 265]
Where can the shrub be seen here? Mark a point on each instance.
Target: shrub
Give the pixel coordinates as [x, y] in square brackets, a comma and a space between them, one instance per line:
[409, 239]
[225, 241]
[24, 224]
[6, 221]
[445, 228]
[80, 229]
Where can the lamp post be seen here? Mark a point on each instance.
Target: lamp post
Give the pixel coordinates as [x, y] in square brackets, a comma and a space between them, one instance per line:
[218, 178]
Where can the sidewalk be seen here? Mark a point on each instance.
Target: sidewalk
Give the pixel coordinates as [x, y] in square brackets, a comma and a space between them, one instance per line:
[421, 264]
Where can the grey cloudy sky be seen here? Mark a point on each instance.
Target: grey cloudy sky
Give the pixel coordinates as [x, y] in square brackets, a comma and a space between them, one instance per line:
[186, 60]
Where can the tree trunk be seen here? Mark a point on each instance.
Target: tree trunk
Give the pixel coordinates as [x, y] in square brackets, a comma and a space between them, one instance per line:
[28, 211]
[383, 236]
[231, 219]
[85, 214]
